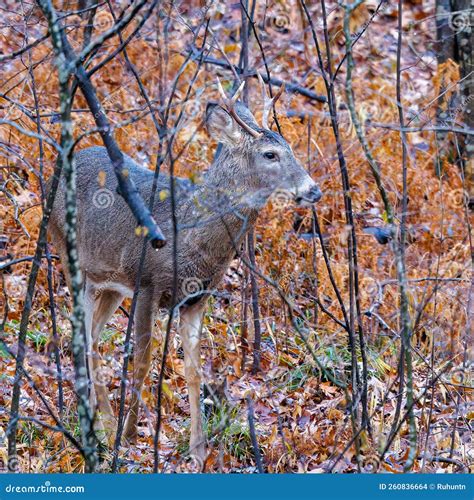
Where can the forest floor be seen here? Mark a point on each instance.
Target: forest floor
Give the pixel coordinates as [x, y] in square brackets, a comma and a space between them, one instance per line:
[302, 418]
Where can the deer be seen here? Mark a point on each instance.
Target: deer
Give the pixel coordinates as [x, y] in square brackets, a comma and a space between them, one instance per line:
[212, 218]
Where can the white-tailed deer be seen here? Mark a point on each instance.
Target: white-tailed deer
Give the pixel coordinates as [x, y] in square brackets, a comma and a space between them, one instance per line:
[212, 217]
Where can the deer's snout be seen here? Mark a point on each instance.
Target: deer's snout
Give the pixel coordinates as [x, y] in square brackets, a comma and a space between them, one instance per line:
[312, 195]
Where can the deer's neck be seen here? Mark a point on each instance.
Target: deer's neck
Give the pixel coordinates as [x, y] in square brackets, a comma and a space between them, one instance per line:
[224, 208]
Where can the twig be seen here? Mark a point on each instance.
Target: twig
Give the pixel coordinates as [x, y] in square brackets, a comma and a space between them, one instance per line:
[354, 305]
[26, 48]
[401, 264]
[13, 262]
[174, 225]
[290, 87]
[257, 339]
[253, 436]
[79, 339]
[127, 188]
[20, 358]
[54, 329]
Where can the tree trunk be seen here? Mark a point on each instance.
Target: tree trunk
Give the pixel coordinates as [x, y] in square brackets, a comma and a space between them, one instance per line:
[455, 40]
[463, 18]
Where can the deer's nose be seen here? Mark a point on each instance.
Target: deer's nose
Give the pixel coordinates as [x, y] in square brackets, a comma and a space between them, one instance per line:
[314, 194]
[311, 196]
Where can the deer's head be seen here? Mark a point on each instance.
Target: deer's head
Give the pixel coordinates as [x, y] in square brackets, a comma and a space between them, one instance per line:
[263, 159]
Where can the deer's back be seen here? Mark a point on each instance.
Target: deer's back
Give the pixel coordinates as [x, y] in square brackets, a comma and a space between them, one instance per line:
[108, 246]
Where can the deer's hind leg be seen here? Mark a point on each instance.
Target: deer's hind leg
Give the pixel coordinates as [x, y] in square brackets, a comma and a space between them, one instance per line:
[100, 306]
[145, 315]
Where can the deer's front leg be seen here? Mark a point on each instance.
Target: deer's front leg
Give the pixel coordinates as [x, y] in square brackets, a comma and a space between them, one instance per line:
[190, 333]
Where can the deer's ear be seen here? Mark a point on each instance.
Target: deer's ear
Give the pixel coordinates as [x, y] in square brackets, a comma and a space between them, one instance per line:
[222, 127]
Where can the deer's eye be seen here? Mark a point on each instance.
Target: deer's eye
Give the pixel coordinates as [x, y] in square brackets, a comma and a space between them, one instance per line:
[270, 156]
